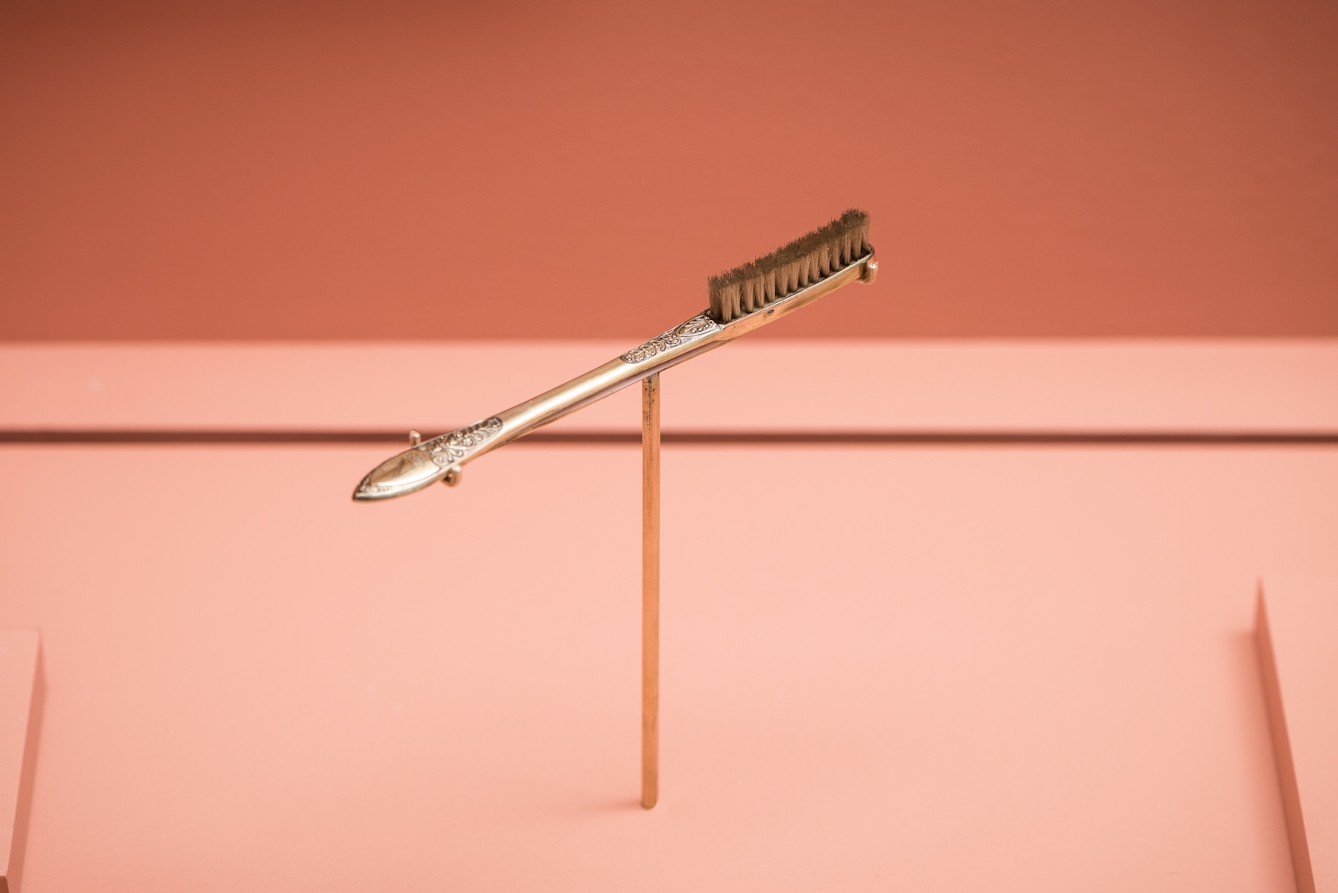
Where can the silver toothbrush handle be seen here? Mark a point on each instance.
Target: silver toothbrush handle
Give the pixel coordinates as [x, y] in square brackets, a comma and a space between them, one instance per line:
[443, 457]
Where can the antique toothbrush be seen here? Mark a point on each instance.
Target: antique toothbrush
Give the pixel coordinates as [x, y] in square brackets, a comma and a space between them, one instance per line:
[742, 299]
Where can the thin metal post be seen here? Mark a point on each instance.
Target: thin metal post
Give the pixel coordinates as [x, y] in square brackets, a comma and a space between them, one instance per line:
[650, 591]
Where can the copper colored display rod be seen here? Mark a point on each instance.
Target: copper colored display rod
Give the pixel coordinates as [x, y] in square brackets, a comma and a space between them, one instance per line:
[650, 591]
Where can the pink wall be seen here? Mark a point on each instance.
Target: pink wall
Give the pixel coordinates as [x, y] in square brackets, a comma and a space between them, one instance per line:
[575, 170]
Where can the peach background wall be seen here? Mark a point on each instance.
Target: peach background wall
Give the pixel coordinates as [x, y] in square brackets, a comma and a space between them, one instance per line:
[575, 169]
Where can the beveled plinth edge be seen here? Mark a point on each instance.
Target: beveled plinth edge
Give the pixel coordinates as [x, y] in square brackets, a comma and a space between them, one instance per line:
[1296, 626]
[21, 689]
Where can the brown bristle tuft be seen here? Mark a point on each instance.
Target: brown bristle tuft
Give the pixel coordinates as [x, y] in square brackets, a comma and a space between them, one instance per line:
[804, 261]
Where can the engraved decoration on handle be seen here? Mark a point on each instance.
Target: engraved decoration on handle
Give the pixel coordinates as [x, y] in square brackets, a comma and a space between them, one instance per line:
[680, 334]
[448, 449]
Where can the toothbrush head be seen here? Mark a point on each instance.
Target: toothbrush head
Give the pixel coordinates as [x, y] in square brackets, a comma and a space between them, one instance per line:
[804, 261]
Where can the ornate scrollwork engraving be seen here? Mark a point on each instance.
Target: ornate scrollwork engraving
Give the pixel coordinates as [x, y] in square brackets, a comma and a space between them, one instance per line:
[449, 449]
[680, 334]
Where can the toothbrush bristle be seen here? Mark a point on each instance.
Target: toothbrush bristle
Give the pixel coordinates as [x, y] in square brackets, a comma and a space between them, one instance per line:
[782, 272]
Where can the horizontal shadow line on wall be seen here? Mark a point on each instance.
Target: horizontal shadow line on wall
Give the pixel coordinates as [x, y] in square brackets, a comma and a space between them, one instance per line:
[689, 438]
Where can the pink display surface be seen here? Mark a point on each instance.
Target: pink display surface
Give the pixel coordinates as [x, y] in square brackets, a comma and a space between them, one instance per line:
[930, 668]
[1205, 386]
[1297, 632]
